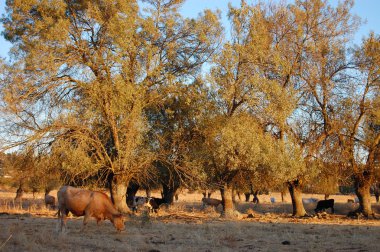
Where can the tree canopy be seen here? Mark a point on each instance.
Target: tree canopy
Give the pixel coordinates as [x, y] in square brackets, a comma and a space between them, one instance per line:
[114, 90]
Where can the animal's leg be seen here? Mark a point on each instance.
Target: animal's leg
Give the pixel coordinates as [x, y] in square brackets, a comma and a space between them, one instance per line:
[99, 219]
[63, 218]
[58, 226]
[87, 215]
[85, 219]
[332, 209]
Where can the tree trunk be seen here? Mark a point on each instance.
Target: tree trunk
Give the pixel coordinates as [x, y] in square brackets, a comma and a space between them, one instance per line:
[255, 198]
[238, 194]
[148, 193]
[282, 196]
[19, 192]
[131, 192]
[118, 190]
[207, 193]
[247, 196]
[228, 205]
[233, 195]
[168, 193]
[376, 191]
[327, 196]
[296, 195]
[362, 190]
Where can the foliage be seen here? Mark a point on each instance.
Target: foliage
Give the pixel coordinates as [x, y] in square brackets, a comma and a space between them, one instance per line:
[112, 91]
[84, 72]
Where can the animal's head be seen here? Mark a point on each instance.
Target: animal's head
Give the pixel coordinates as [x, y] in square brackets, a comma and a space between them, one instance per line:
[141, 200]
[118, 222]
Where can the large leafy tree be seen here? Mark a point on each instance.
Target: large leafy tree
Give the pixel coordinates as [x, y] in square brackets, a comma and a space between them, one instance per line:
[176, 136]
[338, 93]
[252, 100]
[281, 66]
[319, 42]
[83, 72]
[360, 135]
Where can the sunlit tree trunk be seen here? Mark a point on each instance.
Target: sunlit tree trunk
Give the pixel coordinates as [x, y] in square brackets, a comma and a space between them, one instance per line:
[118, 190]
[363, 180]
[296, 195]
[233, 194]
[362, 190]
[228, 205]
[148, 193]
[376, 191]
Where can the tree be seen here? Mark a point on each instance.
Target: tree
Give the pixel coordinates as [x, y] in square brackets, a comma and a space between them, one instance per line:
[327, 181]
[20, 167]
[84, 72]
[232, 146]
[176, 136]
[337, 95]
[360, 135]
[254, 74]
[237, 147]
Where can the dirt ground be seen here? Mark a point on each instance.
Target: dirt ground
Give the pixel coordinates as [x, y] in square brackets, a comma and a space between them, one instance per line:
[186, 227]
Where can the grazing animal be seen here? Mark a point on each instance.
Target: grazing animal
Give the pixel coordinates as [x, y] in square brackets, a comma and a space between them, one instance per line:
[49, 201]
[155, 203]
[350, 201]
[210, 202]
[322, 205]
[152, 203]
[81, 202]
[139, 201]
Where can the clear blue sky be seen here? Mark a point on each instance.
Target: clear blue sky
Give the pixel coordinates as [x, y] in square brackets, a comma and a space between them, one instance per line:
[368, 10]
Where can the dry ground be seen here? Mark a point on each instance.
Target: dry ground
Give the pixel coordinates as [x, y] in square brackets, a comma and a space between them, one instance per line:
[186, 227]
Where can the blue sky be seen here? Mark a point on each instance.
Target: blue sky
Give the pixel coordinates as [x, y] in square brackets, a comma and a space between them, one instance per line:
[368, 10]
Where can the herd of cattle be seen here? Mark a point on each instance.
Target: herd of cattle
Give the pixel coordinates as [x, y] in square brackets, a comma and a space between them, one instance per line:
[87, 203]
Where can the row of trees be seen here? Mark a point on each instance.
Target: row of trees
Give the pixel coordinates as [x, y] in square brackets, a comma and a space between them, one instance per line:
[114, 91]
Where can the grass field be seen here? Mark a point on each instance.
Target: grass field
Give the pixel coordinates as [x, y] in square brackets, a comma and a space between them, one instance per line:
[30, 226]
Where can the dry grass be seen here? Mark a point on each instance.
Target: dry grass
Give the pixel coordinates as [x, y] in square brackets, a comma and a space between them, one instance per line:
[185, 227]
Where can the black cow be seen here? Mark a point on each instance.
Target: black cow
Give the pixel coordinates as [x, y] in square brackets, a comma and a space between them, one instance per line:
[155, 203]
[324, 204]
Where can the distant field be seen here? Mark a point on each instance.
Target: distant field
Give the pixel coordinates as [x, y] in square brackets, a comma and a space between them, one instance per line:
[186, 227]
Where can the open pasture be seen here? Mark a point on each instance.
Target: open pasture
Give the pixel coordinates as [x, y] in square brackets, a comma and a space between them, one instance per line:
[186, 227]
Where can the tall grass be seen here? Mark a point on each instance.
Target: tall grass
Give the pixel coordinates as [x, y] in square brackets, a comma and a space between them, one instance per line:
[25, 206]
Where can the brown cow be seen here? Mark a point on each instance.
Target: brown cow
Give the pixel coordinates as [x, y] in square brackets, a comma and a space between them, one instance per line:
[49, 201]
[87, 203]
